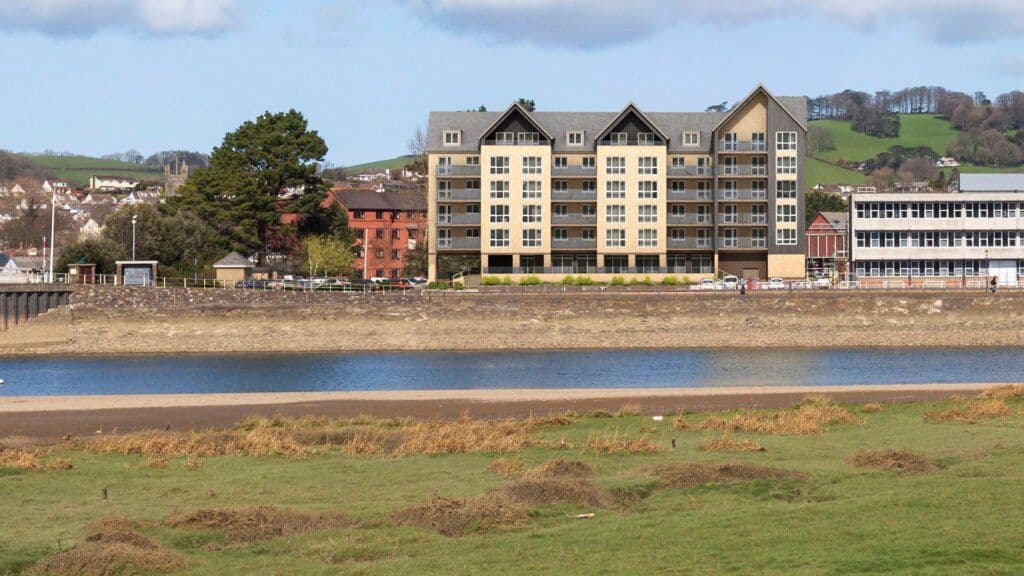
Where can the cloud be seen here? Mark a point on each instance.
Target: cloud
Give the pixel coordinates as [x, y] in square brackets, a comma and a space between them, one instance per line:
[584, 24]
[86, 17]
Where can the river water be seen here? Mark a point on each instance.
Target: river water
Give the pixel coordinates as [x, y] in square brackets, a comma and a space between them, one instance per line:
[482, 370]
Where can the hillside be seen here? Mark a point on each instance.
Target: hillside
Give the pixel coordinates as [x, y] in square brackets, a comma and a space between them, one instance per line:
[77, 169]
[396, 163]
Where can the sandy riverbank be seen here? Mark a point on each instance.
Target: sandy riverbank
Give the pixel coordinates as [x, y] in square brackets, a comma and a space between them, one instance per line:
[520, 321]
[51, 417]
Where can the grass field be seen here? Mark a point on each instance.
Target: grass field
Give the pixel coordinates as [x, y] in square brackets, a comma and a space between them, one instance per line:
[823, 172]
[812, 512]
[915, 130]
[78, 169]
[395, 163]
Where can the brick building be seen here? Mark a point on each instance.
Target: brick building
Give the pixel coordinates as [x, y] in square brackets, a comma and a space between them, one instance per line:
[827, 244]
[387, 224]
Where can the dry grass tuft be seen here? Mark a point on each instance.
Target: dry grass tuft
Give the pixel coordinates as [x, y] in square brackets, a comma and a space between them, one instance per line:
[561, 419]
[193, 463]
[559, 467]
[540, 491]
[811, 417]
[460, 517]
[463, 435]
[684, 476]
[617, 445]
[31, 460]
[599, 414]
[725, 443]
[680, 424]
[872, 408]
[971, 411]
[112, 546]
[157, 461]
[256, 523]
[1005, 392]
[628, 410]
[506, 467]
[899, 460]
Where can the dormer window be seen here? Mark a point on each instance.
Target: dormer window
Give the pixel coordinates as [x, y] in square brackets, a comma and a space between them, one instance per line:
[504, 138]
[574, 138]
[644, 138]
[452, 137]
[618, 138]
[529, 138]
[691, 138]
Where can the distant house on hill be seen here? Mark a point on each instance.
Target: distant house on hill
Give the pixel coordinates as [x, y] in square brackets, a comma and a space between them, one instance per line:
[112, 183]
[142, 197]
[58, 186]
[374, 175]
[96, 198]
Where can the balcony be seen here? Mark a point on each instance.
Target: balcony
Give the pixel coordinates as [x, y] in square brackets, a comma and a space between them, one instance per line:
[743, 218]
[681, 171]
[744, 170]
[743, 194]
[458, 219]
[688, 243]
[742, 146]
[574, 244]
[574, 219]
[458, 170]
[458, 243]
[688, 219]
[574, 195]
[574, 171]
[459, 195]
[744, 242]
[688, 195]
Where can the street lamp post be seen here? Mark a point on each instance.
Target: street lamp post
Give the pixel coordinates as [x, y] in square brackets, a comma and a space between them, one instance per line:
[135, 219]
[53, 226]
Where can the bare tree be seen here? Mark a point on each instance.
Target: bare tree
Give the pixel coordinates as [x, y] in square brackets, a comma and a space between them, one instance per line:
[418, 150]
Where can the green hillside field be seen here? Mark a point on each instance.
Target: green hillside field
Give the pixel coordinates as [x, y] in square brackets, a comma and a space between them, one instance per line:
[915, 130]
[396, 163]
[78, 169]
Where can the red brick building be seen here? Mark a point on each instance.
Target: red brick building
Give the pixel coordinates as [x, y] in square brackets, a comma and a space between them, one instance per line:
[387, 224]
[827, 249]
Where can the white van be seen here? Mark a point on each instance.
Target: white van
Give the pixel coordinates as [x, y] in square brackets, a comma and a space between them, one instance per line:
[730, 282]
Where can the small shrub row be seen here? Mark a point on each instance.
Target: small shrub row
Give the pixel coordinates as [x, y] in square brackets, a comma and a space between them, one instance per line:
[444, 285]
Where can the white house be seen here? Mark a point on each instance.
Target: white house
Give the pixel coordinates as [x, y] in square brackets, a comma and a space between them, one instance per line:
[112, 183]
[58, 186]
[142, 197]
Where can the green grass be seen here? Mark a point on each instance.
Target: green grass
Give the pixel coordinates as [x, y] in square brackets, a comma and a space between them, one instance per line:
[396, 163]
[915, 130]
[819, 172]
[78, 169]
[964, 519]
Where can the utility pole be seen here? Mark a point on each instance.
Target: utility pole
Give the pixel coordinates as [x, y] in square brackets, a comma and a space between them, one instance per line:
[135, 218]
[53, 225]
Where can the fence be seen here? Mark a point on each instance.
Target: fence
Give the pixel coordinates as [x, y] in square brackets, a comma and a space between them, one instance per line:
[196, 283]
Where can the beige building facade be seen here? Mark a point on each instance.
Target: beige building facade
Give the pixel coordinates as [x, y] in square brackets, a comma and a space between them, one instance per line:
[628, 193]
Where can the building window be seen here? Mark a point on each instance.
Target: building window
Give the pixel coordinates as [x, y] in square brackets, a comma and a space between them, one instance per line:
[618, 138]
[574, 138]
[560, 233]
[380, 273]
[561, 162]
[678, 210]
[531, 165]
[499, 165]
[560, 186]
[499, 238]
[531, 238]
[785, 189]
[452, 137]
[531, 213]
[785, 213]
[378, 253]
[614, 189]
[470, 209]
[559, 209]
[397, 234]
[615, 238]
[499, 189]
[615, 214]
[396, 255]
[785, 140]
[644, 138]
[531, 189]
[677, 233]
[472, 232]
[360, 214]
[380, 233]
[529, 138]
[504, 138]
[472, 160]
[785, 165]
[648, 165]
[589, 186]
[759, 166]
[499, 214]
[588, 210]
[588, 233]
[380, 214]
[615, 165]
[785, 236]
[647, 238]
[757, 142]
[691, 138]
[648, 189]
[444, 238]
[758, 238]
[648, 213]
[589, 162]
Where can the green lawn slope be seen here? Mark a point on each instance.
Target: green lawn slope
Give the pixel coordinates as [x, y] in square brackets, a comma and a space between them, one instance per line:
[396, 163]
[78, 169]
[915, 130]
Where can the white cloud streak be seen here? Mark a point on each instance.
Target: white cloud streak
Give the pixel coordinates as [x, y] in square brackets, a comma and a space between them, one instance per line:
[584, 24]
[145, 17]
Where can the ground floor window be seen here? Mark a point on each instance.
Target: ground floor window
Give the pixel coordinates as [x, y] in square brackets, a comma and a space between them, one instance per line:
[616, 263]
[647, 263]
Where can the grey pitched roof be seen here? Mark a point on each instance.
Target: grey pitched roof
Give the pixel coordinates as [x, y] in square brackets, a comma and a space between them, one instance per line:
[558, 124]
[992, 182]
[837, 219]
[233, 260]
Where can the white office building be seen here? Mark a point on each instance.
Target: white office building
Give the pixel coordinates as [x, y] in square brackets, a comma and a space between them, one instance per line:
[965, 237]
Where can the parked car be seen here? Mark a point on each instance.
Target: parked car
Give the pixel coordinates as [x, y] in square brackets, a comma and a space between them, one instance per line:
[822, 284]
[709, 284]
[775, 284]
[417, 282]
[730, 282]
[252, 284]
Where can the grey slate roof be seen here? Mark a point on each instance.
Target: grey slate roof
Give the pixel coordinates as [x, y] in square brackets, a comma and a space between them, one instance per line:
[233, 260]
[360, 199]
[992, 182]
[838, 220]
[473, 125]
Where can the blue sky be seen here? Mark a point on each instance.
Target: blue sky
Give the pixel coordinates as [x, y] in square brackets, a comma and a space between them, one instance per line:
[101, 76]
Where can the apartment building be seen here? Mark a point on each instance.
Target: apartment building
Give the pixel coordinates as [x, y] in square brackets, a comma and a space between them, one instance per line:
[964, 237]
[628, 193]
